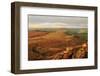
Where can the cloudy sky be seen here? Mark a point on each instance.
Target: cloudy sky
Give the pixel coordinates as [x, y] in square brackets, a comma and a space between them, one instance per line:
[40, 21]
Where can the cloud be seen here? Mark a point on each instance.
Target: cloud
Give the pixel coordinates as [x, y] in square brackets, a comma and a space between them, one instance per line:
[55, 25]
[40, 21]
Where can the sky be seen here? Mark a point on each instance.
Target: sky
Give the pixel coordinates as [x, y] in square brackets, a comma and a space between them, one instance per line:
[42, 21]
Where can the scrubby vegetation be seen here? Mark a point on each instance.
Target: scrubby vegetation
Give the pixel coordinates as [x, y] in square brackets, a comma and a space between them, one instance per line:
[57, 44]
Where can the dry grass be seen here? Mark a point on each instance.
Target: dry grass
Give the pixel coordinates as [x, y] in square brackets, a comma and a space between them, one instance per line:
[55, 45]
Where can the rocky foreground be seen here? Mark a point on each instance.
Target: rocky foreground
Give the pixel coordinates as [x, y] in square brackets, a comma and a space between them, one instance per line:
[55, 45]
